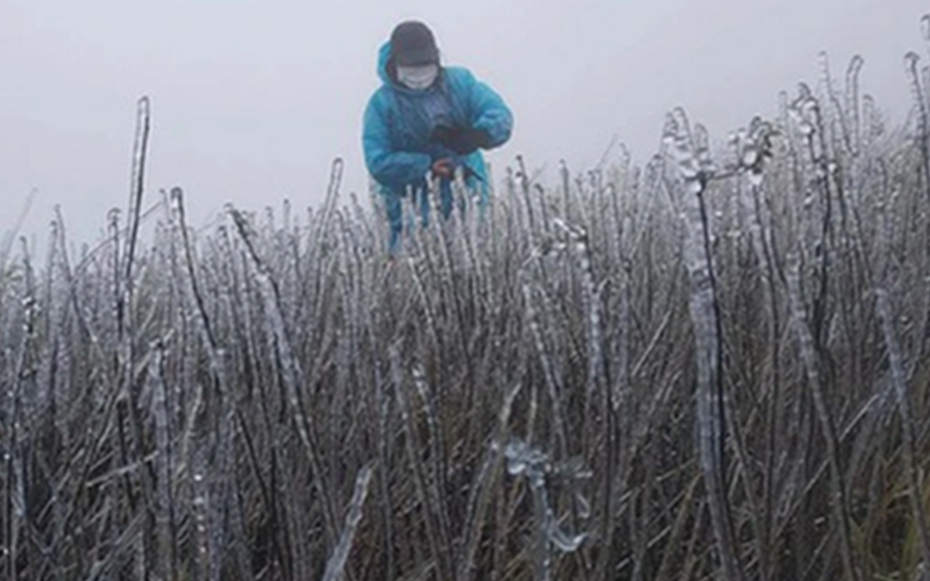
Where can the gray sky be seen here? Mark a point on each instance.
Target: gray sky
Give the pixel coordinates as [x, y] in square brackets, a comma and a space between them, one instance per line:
[252, 100]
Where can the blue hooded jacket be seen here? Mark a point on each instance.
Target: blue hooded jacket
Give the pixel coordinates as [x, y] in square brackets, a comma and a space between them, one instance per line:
[399, 121]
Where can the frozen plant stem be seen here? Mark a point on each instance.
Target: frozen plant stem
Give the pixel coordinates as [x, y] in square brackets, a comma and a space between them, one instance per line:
[814, 378]
[336, 564]
[705, 318]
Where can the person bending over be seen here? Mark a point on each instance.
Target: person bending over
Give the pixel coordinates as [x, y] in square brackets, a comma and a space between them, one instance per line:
[428, 121]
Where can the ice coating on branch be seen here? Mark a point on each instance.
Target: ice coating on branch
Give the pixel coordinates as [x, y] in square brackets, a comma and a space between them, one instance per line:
[558, 537]
[682, 151]
[852, 100]
[522, 459]
[911, 62]
[525, 460]
[925, 28]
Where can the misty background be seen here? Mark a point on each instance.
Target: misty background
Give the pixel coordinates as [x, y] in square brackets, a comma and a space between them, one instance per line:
[252, 101]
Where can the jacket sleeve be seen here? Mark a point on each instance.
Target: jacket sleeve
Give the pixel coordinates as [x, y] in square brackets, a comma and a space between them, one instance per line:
[392, 168]
[489, 112]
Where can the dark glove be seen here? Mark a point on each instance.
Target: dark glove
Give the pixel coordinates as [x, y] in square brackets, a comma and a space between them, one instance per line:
[461, 140]
[444, 134]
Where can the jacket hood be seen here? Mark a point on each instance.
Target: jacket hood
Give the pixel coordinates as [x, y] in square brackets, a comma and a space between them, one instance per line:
[384, 57]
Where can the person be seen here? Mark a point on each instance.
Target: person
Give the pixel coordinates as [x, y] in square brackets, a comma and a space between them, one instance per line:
[428, 121]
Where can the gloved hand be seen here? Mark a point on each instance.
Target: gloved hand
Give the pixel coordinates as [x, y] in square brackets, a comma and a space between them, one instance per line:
[443, 134]
[443, 168]
[461, 140]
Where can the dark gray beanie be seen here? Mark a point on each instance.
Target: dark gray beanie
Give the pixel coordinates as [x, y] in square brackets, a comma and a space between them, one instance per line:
[413, 44]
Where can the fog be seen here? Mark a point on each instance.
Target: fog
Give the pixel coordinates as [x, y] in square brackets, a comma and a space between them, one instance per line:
[252, 101]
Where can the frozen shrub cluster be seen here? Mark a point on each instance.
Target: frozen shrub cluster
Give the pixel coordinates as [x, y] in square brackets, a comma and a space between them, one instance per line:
[715, 365]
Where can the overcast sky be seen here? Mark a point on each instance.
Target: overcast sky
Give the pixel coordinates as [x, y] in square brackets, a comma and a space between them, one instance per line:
[252, 100]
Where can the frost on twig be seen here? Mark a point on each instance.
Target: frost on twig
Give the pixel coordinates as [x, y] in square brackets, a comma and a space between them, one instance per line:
[533, 464]
[691, 158]
[336, 564]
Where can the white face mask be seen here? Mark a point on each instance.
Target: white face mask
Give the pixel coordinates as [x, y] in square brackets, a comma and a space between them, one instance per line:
[418, 78]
